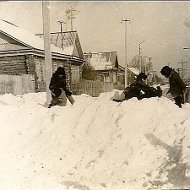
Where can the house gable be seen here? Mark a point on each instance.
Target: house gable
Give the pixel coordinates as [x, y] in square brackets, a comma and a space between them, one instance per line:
[4, 38]
[68, 41]
[102, 60]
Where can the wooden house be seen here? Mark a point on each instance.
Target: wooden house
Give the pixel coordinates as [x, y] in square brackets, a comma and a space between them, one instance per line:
[105, 63]
[23, 53]
[132, 72]
[69, 42]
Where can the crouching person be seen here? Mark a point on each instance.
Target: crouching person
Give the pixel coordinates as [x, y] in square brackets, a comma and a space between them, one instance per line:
[140, 90]
[58, 87]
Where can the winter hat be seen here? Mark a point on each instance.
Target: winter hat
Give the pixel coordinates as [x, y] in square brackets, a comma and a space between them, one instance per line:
[60, 71]
[166, 71]
[142, 76]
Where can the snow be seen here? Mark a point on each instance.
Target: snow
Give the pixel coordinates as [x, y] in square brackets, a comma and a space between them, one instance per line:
[68, 50]
[95, 144]
[134, 70]
[25, 37]
[102, 65]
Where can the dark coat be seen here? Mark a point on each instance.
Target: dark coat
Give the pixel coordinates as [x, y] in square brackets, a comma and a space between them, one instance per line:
[57, 84]
[141, 90]
[134, 90]
[177, 86]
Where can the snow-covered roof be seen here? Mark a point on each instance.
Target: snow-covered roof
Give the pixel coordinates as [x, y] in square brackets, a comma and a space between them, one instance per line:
[134, 70]
[9, 46]
[68, 50]
[65, 41]
[68, 41]
[24, 37]
[102, 60]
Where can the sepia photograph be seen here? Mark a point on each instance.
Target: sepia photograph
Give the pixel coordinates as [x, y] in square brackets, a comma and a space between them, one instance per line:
[94, 95]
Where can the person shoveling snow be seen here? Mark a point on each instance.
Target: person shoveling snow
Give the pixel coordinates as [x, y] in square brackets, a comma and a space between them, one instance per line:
[59, 90]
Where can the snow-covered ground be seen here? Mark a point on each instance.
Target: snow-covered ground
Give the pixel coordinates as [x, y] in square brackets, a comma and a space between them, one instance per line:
[96, 144]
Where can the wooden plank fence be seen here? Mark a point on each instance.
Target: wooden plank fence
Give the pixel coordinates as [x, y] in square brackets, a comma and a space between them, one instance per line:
[22, 84]
[92, 88]
[17, 84]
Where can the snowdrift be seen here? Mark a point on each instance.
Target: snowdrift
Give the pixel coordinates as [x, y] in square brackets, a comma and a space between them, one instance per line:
[96, 144]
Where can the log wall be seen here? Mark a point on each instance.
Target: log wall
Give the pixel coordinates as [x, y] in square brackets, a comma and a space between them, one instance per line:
[34, 65]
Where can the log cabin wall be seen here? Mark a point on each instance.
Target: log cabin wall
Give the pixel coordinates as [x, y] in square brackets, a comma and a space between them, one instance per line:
[13, 65]
[31, 69]
[35, 65]
[39, 63]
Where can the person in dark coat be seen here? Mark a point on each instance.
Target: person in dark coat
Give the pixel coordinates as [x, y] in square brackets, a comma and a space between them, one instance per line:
[140, 89]
[58, 88]
[134, 90]
[177, 85]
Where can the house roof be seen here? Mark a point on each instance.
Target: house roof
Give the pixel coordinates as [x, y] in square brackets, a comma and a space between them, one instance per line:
[134, 70]
[24, 37]
[9, 46]
[102, 60]
[68, 41]
[21, 39]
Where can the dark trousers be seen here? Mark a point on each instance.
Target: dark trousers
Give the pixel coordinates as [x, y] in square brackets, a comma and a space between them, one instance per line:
[179, 100]
[61, 100]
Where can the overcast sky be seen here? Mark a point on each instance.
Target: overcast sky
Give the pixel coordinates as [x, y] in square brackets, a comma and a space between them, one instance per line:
[164, 26]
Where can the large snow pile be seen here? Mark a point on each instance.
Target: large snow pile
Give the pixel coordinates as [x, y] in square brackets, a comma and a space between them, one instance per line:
[96, 144]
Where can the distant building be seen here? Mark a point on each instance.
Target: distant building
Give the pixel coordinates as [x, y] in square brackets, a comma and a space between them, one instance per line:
[131, 74]
[105, 63]
[23, 53]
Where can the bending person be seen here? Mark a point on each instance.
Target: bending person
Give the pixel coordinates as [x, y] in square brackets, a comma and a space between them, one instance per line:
[58, 87]
[140, 90]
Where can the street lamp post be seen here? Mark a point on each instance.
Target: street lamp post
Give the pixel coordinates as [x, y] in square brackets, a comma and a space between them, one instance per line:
[125, 53]
[140, 60]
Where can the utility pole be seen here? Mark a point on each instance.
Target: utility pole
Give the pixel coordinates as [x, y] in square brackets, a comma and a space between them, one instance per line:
[140, 59]
[70, 13]
[125, 53]
[47, 47]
